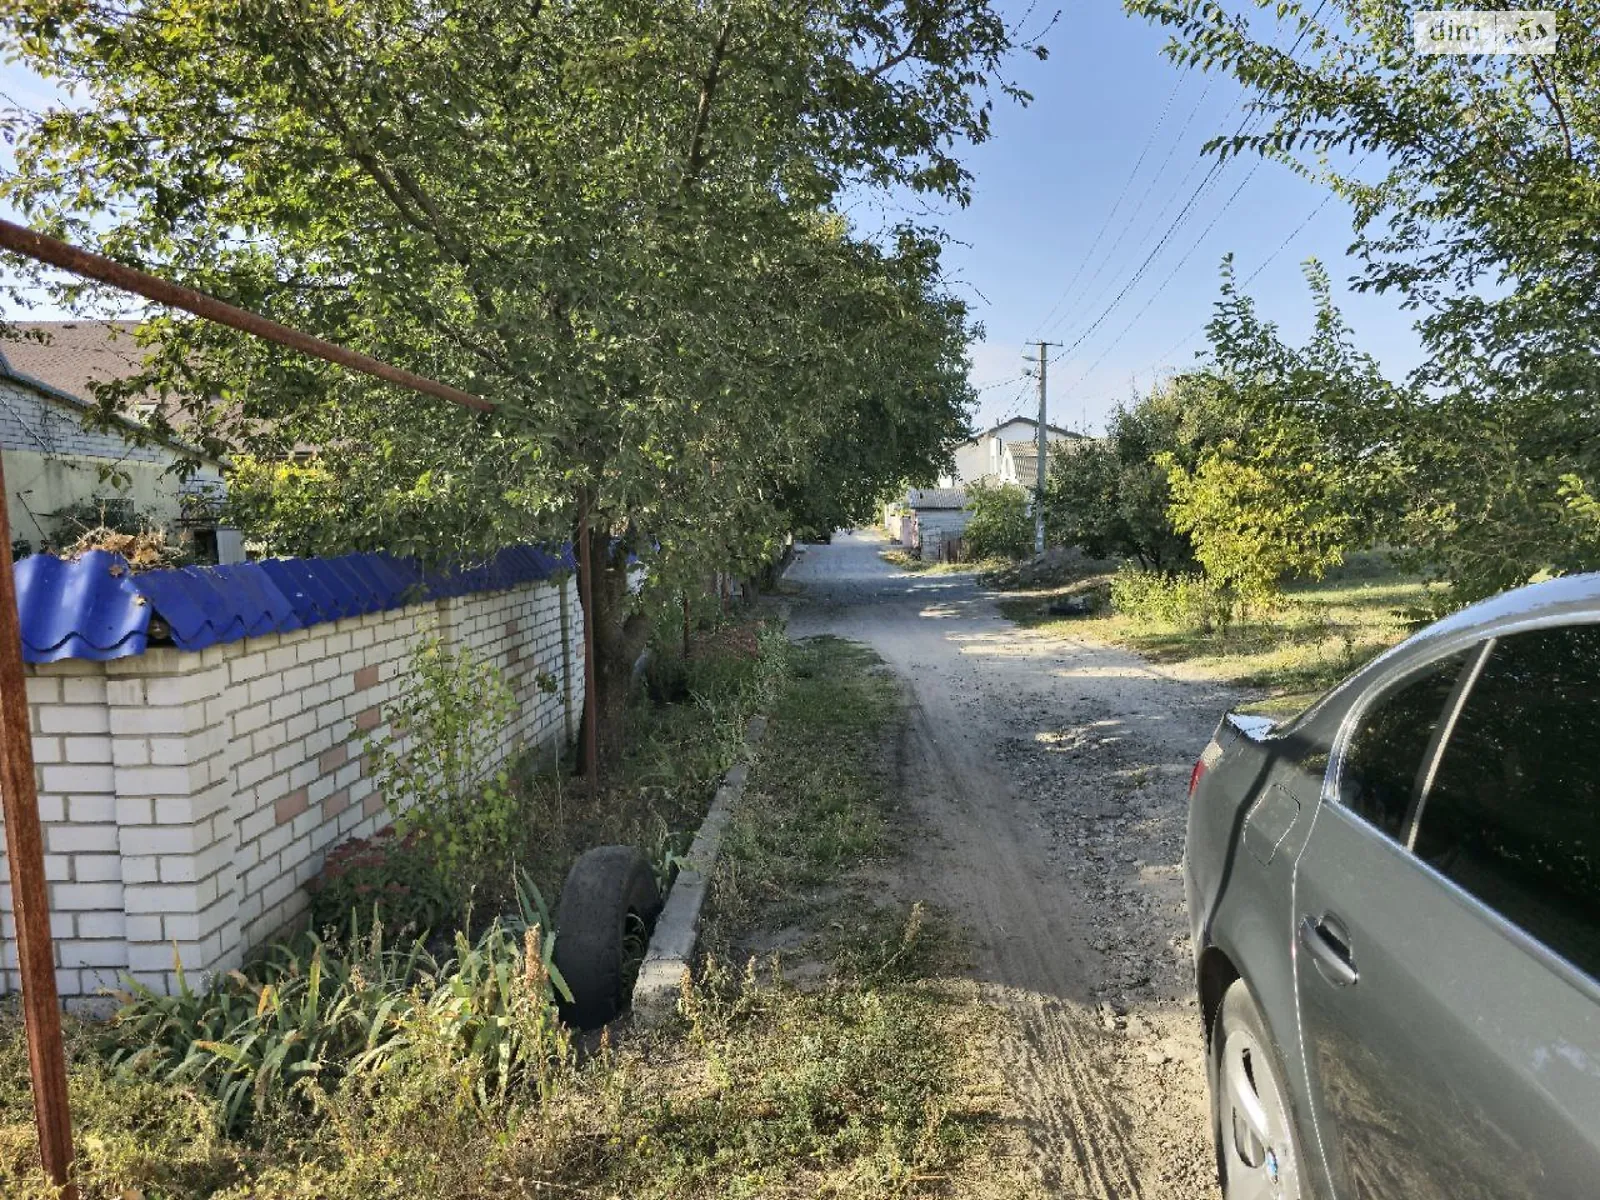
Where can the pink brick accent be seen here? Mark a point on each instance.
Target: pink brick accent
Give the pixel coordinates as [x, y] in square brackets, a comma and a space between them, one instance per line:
[336, 804]
[369, 719]
[287, 808]
[372, 805]
[332, 760]
[367, 677]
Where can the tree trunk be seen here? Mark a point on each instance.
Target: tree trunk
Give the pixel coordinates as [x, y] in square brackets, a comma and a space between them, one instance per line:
[620, 637]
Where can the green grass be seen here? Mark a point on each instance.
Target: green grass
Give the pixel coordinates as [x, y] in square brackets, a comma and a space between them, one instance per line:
[1320, 632]
[863, 1077]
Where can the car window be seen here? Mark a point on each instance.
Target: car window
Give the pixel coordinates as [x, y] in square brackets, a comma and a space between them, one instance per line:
[1513, 814]
[1384, 757]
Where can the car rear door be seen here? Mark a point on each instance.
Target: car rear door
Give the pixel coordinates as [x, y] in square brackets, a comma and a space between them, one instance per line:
[1451, 1051]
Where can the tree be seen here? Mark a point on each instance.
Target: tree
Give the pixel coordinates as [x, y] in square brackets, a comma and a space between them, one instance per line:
[612, 219]
[1000, 526]
[1482, 218]
[1111, 496]
[1306, 470]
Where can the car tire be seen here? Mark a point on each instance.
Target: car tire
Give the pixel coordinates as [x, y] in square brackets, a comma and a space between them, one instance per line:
[1258, 1148]
[610, 900]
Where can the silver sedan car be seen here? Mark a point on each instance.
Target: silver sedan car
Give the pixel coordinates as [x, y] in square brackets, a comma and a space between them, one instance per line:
[1395, 900]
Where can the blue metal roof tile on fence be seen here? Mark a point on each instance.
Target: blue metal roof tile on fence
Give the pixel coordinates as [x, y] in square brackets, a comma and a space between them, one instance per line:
[96, 608]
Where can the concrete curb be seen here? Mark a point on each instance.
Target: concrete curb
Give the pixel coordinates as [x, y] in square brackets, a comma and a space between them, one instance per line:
[671, 950]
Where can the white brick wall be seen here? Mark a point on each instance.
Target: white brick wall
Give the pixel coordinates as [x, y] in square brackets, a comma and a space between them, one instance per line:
[187, 798]
[28, 421]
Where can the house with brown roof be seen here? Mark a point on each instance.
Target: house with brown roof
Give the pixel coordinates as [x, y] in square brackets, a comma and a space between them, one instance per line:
[63, 476]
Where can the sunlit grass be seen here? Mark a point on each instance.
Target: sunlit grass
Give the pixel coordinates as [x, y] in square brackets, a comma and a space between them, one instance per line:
[1319, 632]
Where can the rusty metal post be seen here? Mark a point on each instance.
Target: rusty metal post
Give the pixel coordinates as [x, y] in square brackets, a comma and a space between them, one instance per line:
[591, 735]
[30, 902]
[87, 264]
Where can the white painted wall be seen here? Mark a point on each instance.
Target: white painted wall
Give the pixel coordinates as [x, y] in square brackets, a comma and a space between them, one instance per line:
[53, 462]
[188, 798]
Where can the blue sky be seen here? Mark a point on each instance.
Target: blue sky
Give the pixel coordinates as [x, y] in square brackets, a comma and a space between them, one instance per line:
[1054, 171]
[1045, 185]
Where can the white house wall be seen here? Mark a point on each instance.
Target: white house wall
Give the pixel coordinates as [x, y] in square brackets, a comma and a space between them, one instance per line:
[52, 462]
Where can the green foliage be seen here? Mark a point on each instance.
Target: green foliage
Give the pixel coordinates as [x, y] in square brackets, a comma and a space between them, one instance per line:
[488, 1017]
[617, 220]
[1475, 185]
[251, 1040]
[1001, 526]
[301, 1019]
[1178, 601]
[389, 878]
[1110, 496]
[448, 722]
[1289, 464]
[1255, 525]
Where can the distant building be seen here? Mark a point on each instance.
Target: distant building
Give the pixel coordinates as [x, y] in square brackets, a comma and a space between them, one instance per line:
[1007, 453]
[61, 476]
[934, 517]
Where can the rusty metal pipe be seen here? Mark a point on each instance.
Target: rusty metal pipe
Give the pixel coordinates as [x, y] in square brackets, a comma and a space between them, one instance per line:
[30, 899]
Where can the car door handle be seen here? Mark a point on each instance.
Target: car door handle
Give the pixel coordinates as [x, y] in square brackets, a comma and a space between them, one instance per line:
[1329, 946]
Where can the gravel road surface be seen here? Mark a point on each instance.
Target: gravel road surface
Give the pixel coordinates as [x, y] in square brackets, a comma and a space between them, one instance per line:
[1046, 779]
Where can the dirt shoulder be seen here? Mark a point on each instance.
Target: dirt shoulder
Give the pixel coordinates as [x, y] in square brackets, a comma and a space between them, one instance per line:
[1044, 781]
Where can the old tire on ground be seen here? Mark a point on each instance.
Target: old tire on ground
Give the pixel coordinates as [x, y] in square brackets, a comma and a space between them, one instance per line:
[609, 897]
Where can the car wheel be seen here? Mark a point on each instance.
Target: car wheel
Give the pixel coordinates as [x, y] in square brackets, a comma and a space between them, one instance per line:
[1257, 1150]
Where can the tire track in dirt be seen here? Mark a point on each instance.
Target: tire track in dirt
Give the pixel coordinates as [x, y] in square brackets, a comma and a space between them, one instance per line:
[1044, 783]
[1051, 1064]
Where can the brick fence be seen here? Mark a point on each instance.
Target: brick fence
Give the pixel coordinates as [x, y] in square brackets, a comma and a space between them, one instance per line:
[188, 796]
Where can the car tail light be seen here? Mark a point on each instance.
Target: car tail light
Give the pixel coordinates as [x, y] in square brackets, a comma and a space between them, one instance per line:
[1209, 757]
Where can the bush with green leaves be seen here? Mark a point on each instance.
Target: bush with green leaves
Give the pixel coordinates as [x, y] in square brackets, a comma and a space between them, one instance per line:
[1256, 522]
[1000, 526]
[449, 721]
[1110, 496]
[387, 877]
[1183, 600]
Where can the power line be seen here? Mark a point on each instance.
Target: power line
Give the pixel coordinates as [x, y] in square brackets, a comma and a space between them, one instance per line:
[1133, 217]
[1116, 205]
[1250, 122]
[1176, 267]
[1250, 278]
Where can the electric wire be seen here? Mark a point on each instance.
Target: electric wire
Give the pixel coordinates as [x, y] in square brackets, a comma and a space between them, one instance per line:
[1127, 184]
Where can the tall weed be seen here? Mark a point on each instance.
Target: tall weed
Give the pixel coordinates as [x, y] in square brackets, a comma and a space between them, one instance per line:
[1179, 601]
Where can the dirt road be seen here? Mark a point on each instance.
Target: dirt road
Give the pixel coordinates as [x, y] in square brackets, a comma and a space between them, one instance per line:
[1047, 781]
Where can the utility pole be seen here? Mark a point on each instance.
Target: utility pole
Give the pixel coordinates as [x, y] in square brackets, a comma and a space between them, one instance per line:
[1038, 490]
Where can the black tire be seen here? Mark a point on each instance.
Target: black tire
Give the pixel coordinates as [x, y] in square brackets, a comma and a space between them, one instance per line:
[1238, 1014]
[609, 894]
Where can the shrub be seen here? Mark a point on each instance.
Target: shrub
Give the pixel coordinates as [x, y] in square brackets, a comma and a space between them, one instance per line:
[1256, 521]
[386, 878]
[1182, 601]
[263, 1039]
[445, 726]
[1000, 526]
